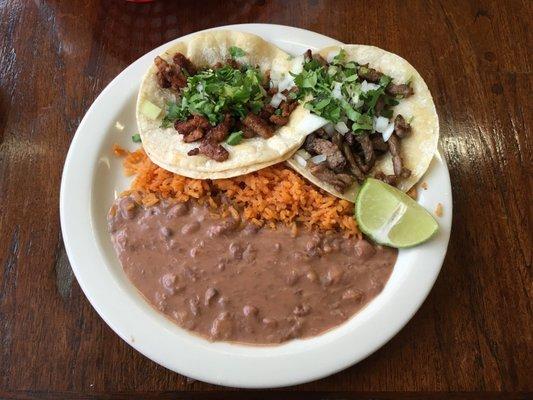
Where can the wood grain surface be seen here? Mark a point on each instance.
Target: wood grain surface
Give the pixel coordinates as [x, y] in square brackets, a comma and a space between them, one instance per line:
[471, 336]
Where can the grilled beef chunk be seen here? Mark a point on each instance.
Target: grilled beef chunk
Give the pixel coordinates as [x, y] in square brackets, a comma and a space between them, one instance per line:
[394, 146]
[389, 179]
[196, 121]
[267, 111]
[184, 63]
[278, 120]
[369, 74]
[220, 132]
[212, 150]
[169, 76]
[401, 126]
[287, 107]
[195, 135]
[339, 181]
[378, 143]
[334, 157]
[247, 133]
[354, 168]
[258, 125]
[402, 90]
[368, 151]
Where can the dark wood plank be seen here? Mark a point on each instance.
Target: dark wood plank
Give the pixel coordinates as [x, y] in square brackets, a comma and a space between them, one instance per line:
[474, 331]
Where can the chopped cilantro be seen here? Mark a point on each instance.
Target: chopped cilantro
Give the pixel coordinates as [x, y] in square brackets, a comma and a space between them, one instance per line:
[136, 138]
[234, 138]
[224, 90]
[236, 52]
[385, 80]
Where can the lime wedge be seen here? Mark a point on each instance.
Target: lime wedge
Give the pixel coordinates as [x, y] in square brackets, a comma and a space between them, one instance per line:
[390, 217]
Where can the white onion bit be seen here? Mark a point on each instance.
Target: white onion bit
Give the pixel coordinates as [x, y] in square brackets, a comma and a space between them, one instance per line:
[365, 86]
[304, 154]
[336, 92]
[380, 124]
[388, 132]
[277, 99]
[341, 127]
[318, 159]
[329, 128]
[300, 160]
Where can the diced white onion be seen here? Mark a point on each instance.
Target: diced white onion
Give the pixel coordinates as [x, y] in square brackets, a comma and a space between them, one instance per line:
[388, 132]
[318, 159]
[119, 126]
[286, 83]
[341, 127]
[356, 101]
[336, 92]
[380, 124]
[277, 99]
[297, 64]
[300, 160]
[200, 88]
[329, 128]
[331, 55]
[304, 154]
[366, 86]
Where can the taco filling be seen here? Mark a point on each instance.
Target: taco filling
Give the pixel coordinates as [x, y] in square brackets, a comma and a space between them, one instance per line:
[358, 101]
[228, 102]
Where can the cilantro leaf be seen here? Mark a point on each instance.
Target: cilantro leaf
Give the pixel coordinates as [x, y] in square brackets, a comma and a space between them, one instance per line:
[236, 52]
[234, 138]
[136, 138]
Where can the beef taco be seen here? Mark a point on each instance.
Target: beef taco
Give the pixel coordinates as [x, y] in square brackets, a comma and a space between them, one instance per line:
[207, 107]
[382, 120]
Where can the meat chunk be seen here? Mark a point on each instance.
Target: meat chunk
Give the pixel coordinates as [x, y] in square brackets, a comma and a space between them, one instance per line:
[184, 63]
[368, 150]
[247, 133]
[287, 107]
[194, 136]
[267, 111]
[220, 132]
[278, 120]
[397, 162]
[403, 90]
[215, 151]
[258, 125]
[378, 143]
[388, 179]
[354, 168]
[339, 181]
[369, 74]
[334, 157]
[169, 76]
[401, 126]
[196, 121]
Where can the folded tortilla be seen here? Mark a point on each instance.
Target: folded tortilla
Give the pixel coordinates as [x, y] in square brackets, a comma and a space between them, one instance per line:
[418, 148]
[165, 146]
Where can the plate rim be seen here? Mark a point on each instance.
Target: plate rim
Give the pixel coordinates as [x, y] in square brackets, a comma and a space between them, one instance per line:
[71, 233]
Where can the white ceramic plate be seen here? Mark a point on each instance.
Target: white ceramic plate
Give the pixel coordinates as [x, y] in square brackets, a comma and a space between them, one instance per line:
[93, 176]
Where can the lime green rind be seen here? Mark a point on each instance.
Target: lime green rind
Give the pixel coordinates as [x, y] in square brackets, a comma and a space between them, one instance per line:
[390, 217]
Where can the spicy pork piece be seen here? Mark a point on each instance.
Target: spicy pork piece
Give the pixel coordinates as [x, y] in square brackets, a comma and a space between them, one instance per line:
[371, 113]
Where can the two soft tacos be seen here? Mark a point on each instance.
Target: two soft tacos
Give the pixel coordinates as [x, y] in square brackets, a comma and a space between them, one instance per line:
[274, 118]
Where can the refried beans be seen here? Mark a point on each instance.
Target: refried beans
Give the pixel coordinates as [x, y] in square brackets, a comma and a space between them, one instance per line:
[228, 280]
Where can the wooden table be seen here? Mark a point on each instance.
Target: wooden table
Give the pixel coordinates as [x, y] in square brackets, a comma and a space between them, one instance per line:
[473, 333]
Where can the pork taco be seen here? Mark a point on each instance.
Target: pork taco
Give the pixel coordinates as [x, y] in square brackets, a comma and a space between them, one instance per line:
[382, 120]
[207, 107]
